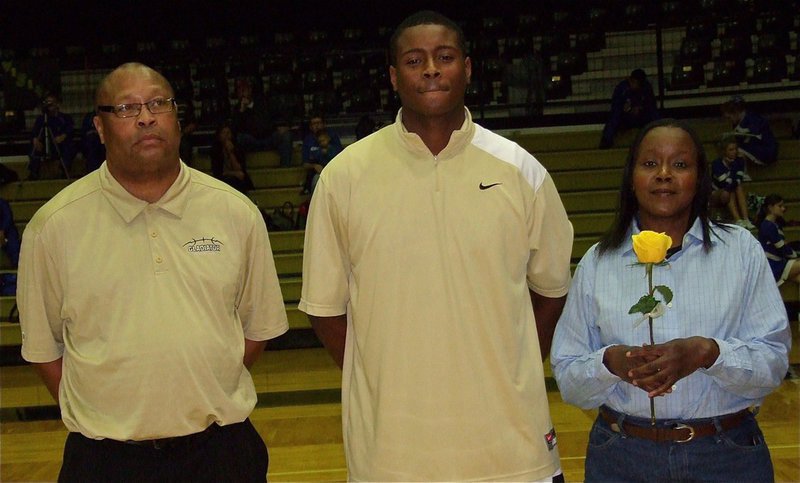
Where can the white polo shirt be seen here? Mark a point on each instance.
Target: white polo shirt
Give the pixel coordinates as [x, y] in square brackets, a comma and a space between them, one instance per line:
[149, 304]
[432, 257]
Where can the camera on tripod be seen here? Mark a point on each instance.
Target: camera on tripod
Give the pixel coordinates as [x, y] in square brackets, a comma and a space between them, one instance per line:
[48, 149]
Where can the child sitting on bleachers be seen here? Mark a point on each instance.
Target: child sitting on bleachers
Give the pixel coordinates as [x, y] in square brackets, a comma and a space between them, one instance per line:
[781, 256]
[727, 175]
[319, 159]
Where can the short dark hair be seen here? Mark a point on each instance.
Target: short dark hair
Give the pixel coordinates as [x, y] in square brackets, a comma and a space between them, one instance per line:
[733, 105]
[425, 17]
[726, 140]
[639, 75]
[628, 205]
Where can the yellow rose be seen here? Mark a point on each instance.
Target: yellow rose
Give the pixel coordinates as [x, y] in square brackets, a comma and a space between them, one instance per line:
[651, 247]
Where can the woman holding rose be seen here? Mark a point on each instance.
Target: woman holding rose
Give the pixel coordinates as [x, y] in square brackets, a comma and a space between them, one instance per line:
[720, 331]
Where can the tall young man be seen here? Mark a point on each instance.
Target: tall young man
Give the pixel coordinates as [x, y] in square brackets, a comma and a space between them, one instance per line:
[436, 265]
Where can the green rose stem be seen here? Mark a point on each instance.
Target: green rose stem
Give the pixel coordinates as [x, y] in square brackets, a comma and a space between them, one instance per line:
[649, 270]
[651, 249]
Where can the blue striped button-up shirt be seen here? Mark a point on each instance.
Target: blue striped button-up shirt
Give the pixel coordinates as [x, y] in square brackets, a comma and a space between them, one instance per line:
[727, 294]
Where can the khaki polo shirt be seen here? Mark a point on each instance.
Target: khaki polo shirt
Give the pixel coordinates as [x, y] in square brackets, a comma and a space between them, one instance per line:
[432, 257]
[149, 304]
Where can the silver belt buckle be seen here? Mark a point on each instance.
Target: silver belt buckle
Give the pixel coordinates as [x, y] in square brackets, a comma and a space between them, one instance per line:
[691, 432]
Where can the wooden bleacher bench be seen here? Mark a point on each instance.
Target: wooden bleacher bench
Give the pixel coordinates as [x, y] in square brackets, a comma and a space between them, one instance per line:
[708, 130]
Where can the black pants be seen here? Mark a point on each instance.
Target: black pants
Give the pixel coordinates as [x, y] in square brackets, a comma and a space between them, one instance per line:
[234, 452]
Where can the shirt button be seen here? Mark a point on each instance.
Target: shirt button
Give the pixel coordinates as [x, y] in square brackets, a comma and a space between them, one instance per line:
[159, 259]
[153, 235]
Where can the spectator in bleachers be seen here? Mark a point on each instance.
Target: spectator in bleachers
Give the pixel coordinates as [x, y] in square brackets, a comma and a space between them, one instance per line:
[757, 144]
[633, 105]
[719, 349]
[256, 127]
[94, 153]
[325, 151]
[147, 290]
[782, 258]
[316, 124]
[228, 160]
[9, 238]
[436, 263]
[52, 138]
[727, 175]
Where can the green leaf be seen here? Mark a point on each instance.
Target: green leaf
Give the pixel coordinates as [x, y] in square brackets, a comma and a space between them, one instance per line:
[645, 305]
[665, 292]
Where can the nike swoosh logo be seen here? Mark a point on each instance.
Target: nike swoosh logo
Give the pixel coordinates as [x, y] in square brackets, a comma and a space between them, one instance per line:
[487, 186]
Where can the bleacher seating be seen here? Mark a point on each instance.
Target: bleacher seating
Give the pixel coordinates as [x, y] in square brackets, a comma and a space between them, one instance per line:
[686, 76]
[727, 73]
[588, 49]
[587, 178]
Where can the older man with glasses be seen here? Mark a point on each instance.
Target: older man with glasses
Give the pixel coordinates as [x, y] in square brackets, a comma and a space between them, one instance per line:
[146, 291]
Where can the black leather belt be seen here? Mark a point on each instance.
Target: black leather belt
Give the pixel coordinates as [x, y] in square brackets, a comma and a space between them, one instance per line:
[166, 443]
[681, 432]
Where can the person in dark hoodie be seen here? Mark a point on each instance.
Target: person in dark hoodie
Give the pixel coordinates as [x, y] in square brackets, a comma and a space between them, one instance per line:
[633, 105]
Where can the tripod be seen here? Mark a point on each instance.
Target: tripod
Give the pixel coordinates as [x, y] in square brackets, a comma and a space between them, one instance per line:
[50, 146]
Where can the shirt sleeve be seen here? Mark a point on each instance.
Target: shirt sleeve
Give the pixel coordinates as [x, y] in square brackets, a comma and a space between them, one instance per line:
[753, 360]
[577, 351]
[39, 299]
[325, 261]
[550, 235]
[260, 306]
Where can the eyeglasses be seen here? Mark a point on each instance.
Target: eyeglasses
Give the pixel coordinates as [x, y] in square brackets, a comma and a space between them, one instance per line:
[156, 106]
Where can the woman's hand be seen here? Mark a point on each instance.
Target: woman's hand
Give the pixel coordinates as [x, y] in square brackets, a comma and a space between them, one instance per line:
[656, 368]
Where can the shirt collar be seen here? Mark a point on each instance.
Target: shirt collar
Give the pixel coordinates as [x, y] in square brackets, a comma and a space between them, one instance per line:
[692, 237]
[174, 201]
[458, 139]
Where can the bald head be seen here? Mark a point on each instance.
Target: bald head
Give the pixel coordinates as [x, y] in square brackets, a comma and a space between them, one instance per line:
[108, 86]
[142, 150]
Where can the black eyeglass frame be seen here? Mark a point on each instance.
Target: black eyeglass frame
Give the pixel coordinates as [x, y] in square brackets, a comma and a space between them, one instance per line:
[138, 105]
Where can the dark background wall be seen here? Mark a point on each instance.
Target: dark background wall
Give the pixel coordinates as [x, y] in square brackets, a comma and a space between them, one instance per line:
[39, 22]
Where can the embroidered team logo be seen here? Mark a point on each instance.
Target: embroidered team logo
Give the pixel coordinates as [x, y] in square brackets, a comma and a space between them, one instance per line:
[203, 245]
